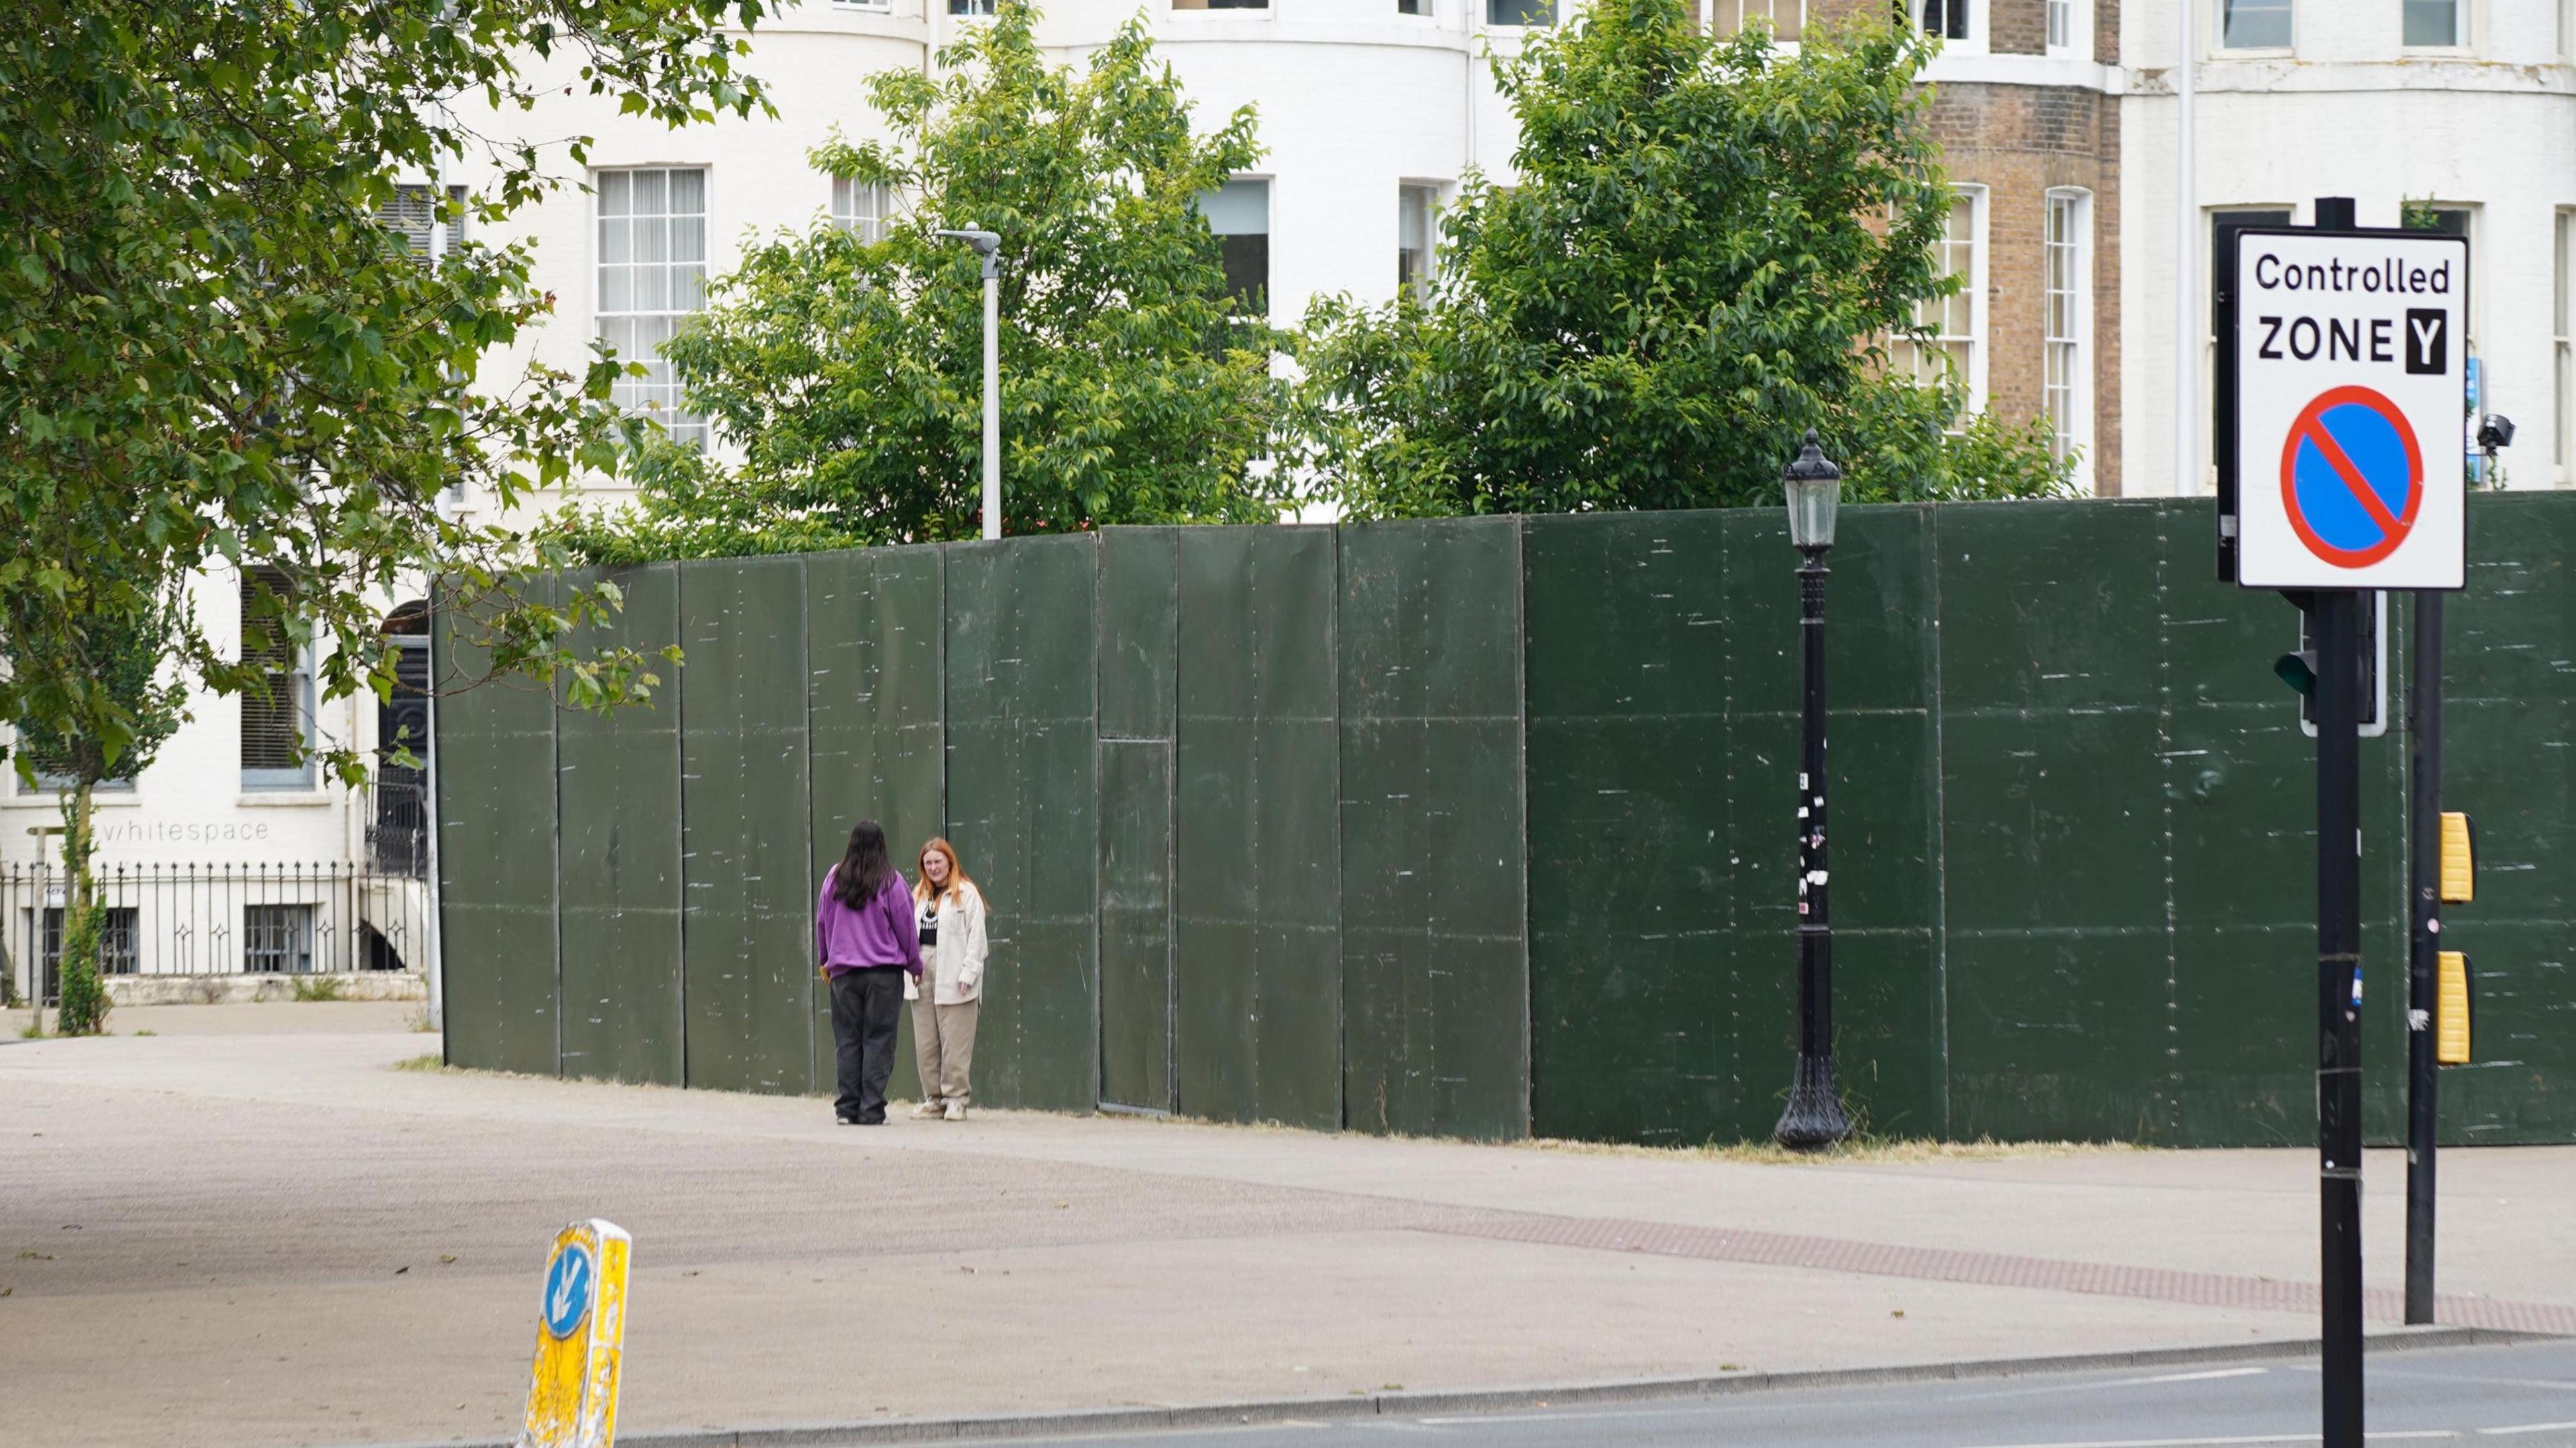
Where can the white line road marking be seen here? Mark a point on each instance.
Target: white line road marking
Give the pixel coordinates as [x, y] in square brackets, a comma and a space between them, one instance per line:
[2529, 1428]
[2118, 1383]
[2224, 1441]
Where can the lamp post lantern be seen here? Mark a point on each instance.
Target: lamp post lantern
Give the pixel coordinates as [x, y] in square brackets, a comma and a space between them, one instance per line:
[988, 245]
[1814, 1117]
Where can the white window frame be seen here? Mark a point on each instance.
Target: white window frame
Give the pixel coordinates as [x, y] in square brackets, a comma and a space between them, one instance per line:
[2066, 359]
[866, 7]
[1435, 197]
[2218, 32]
[682, 426]
[285, 931]
[2463, 29]
[2076, 42]
[298, 691]
[1972, 37]
[849, 216]
[1917, 354]
[1485, 14]
[2563, 343]
[1726, 18]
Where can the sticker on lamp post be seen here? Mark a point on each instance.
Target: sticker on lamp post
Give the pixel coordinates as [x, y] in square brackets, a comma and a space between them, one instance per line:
[581, 1333]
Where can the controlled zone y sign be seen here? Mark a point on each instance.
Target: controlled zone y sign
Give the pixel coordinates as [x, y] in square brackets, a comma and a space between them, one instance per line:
[2350, 384]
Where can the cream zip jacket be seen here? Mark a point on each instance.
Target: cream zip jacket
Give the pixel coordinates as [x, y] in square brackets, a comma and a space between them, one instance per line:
[954, 968]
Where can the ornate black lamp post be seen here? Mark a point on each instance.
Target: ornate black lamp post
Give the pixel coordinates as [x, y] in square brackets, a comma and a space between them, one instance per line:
[1814, 1117]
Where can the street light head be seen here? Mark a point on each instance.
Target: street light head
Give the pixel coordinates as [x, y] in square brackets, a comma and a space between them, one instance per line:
[987, 244]
[1814, 487]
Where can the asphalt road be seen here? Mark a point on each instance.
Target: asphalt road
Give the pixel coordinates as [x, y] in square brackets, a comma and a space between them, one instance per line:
[2521, 1396]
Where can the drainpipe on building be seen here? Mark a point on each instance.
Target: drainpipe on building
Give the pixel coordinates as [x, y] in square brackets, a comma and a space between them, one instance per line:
[2187, 473]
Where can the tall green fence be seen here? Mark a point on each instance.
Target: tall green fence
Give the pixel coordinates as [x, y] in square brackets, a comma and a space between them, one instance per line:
[1482, 827]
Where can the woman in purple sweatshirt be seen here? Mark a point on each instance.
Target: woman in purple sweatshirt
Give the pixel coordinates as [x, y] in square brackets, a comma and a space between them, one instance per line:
[866, 938]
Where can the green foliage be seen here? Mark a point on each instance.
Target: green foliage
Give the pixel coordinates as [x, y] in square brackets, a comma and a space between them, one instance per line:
[116, 658]
[321, 988]
[851, 373]
[1710, 247]
[212, 351]
[81, 995]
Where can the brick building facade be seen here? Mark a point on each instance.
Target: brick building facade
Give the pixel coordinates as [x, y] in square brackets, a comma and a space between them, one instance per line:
[2030, 132]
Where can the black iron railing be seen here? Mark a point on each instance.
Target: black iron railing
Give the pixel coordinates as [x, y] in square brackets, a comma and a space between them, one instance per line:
[226, 919]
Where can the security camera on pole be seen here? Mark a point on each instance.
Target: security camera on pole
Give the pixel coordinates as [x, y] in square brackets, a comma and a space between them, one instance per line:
[2341, 386]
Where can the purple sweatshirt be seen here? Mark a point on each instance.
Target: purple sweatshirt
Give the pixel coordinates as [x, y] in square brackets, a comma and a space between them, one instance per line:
[881, 932]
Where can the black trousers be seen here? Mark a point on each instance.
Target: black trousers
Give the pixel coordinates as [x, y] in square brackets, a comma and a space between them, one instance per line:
[866, 1004]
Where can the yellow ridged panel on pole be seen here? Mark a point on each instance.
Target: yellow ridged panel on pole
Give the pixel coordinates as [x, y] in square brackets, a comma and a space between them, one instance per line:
[2451, 1010]
[2459, 865]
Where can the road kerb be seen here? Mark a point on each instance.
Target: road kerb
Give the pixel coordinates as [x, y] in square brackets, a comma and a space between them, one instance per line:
[1092, 1421]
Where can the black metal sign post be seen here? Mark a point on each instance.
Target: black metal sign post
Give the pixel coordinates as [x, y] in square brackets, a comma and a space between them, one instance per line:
[2339, 1004]
[2322, 434]
[2424, 944]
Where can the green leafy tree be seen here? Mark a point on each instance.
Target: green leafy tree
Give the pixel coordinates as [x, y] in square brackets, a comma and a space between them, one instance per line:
[850, 372]
[212, 350]
[119, 658]
[1711, 248]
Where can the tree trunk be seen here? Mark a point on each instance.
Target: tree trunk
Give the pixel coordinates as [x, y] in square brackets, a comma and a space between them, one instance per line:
[84, 1004]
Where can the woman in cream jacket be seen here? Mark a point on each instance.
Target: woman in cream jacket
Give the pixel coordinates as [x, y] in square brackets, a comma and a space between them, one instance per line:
[951, 914]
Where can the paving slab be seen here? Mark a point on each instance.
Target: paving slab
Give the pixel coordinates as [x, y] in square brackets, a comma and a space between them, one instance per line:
[311, 1245]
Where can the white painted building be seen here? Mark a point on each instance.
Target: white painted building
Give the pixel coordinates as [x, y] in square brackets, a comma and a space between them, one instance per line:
[1369, 112]
[229, 856]
[2468, 106]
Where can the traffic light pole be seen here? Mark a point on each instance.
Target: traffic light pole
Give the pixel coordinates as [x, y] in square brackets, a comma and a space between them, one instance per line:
[2339, 1004]
[2423, 947]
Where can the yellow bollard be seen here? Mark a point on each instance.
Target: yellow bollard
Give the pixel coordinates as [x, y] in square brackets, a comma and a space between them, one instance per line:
[581, 1335]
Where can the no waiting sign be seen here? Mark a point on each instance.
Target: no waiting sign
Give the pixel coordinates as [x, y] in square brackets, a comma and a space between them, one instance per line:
[2349, 389]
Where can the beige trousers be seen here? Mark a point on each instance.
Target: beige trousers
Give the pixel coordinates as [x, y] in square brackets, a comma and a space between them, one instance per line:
[943, 1043]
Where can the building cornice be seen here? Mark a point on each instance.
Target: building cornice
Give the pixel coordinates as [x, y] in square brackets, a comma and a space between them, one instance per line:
[2287, 75]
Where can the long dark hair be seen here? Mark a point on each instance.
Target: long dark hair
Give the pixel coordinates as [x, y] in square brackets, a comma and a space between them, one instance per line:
[864, 868]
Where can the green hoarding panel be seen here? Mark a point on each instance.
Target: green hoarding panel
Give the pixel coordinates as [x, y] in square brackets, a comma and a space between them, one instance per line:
[1297, 1046]
[1136, 923]
[1434, 925]
[2053, 725]
[2240, 782]
[1217, 905]
[1139, 621]
[874, 636]
[1259, 881]
[1022, 723]
[617, 784]
[1631, 897]
[748, 932]
[494, 761]
[2511, 713]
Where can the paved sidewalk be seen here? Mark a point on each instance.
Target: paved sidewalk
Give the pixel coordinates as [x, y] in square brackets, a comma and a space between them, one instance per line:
[307, 1245]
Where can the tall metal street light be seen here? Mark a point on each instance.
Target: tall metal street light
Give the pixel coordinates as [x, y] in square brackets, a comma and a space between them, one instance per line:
[1814, 1117]
[988, 245]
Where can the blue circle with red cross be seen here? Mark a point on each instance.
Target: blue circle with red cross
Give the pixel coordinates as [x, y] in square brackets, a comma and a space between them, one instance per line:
[2352, 476]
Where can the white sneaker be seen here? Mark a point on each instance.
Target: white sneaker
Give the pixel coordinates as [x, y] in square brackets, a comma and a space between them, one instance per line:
[956, 1110]
[929, 1110]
